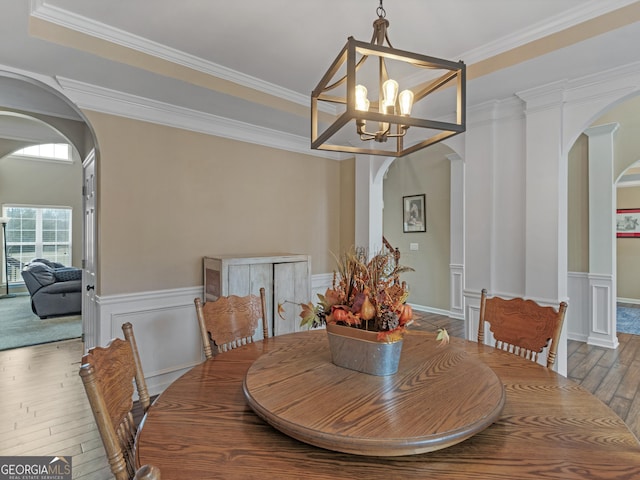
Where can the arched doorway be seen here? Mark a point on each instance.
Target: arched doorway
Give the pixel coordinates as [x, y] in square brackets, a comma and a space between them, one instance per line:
[436, 254]
[597, 160]
[28, 101]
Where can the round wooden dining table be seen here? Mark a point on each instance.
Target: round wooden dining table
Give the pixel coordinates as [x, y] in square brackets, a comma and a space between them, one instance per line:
[437, 398]
[201, 426]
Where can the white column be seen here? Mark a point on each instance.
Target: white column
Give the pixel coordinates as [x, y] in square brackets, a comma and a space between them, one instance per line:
[456, 258]
[542, 196]
[369, 200]
[545, 203]
[602, 234]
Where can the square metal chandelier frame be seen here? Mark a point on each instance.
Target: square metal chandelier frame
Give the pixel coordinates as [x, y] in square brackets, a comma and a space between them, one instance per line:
[455, 73]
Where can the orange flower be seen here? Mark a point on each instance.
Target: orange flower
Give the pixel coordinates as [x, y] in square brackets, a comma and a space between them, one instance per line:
[341, 313]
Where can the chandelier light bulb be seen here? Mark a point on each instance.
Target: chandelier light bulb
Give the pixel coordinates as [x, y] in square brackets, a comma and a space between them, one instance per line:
[362, 103]
[390, 92]
[406, 102]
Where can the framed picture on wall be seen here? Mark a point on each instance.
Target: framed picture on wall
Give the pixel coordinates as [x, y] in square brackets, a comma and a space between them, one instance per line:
[414, 216]
[628, 223]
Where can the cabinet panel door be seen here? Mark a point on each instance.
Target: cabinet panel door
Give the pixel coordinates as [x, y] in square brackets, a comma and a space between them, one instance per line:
[262, 277]
[239, 280]
[248, 279]
[291, 284]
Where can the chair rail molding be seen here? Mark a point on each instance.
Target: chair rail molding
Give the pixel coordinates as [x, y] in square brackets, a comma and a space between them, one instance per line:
[166, 329]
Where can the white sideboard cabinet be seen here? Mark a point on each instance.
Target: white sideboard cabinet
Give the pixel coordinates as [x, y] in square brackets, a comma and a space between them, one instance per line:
[285, 277]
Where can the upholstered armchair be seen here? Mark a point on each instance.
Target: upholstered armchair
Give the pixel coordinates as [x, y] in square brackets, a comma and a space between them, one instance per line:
[55, 289]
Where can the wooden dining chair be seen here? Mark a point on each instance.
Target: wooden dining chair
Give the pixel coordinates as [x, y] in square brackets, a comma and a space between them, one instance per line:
[522, 326]
[108, 374]
[231, 321]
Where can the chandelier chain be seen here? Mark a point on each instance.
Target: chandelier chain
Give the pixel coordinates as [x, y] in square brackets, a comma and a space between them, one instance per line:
[380, 11]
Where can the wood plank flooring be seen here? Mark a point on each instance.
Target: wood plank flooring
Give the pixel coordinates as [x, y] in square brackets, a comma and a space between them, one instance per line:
[44, 410]
[611, 375]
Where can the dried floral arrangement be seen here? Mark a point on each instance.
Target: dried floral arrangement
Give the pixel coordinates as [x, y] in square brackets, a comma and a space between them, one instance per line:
[366, 293]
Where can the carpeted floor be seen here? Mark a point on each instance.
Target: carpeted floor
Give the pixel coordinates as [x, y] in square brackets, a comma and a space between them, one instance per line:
[628, 319]
[20, 327]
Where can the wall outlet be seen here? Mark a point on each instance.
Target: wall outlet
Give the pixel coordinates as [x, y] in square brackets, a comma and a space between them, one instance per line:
[413, 247]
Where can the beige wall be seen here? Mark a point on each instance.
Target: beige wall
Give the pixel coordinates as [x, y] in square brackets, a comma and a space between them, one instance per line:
[348, 203]
[168, 197]
[40, 183]
[578, 206]
[428, 172]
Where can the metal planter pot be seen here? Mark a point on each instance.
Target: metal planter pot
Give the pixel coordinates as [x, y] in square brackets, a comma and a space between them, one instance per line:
[361, 351]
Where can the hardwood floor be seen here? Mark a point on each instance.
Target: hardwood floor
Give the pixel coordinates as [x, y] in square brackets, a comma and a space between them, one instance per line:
[611, 375]
[44, 410]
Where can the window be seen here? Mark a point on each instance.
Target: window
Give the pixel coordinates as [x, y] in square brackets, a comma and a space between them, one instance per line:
[51, 151]
[37, 232]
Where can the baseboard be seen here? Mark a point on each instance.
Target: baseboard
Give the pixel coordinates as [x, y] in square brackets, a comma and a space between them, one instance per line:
[632, 301]
[577, 338]
[436, 311]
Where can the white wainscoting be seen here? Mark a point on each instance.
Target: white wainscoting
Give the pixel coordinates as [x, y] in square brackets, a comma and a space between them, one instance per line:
[456, 286]
[591, 316]
[166, 328]
[472, 315]
[602, 311]
[319, 285]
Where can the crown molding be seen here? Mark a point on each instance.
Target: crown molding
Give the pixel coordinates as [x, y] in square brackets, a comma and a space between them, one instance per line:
[42, 82]
[121, 104]
[586, 11]
[64, 18]
[510, 108]
[589, 87]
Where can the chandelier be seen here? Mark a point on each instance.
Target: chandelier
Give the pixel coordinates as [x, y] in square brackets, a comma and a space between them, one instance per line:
[364, 111]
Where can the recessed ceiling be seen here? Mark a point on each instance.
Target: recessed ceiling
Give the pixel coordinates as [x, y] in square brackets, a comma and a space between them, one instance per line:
[255, 62]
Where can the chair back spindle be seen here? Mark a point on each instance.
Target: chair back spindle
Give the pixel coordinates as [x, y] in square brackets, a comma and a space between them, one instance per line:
[522, 327]
[230, 322]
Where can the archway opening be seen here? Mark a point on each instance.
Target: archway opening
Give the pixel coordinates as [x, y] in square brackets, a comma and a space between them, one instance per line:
[33, 113]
